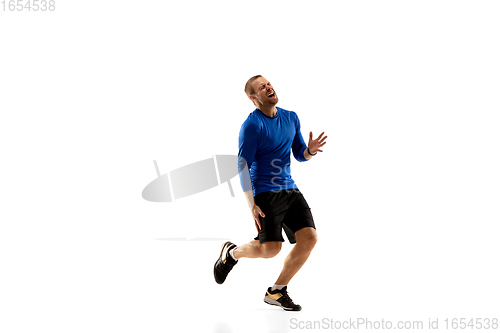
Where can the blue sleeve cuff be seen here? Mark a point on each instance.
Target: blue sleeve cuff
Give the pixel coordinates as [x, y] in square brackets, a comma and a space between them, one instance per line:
[300, 156]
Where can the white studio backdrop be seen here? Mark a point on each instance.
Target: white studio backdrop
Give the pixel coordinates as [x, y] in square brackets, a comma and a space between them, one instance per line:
[405, 195]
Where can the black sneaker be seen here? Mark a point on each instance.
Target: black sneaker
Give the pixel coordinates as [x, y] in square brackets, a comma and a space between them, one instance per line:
[280, 297]
[225, 263]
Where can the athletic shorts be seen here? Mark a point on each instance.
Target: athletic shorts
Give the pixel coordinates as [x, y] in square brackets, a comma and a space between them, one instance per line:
[285, 209]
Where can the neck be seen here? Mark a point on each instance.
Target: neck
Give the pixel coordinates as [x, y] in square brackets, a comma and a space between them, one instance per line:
[269, 111]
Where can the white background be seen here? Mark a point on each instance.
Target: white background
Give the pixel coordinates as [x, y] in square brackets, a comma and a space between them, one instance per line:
[405, 195]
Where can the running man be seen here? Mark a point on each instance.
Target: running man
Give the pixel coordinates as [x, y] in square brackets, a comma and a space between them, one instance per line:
[265, 140]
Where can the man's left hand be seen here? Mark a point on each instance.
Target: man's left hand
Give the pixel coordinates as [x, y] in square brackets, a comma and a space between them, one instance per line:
[314, 145]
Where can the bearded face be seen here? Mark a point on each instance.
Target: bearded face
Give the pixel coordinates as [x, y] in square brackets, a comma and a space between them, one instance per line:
[264, 93]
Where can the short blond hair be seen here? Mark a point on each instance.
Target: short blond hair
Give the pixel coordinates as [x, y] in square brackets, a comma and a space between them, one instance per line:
[248, 86]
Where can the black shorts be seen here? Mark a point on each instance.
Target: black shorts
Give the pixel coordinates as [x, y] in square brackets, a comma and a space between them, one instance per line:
[285, 209]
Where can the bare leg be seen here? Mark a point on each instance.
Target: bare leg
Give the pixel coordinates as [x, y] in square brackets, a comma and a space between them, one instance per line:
[255, 249]
[306, 240]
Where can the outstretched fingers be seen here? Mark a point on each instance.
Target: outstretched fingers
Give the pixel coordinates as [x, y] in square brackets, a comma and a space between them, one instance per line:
[321, 140]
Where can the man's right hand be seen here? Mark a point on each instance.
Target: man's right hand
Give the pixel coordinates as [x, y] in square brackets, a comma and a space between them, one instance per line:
[255, 213]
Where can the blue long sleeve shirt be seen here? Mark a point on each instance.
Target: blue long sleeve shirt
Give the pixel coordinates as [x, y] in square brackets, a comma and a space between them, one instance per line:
[264, 149]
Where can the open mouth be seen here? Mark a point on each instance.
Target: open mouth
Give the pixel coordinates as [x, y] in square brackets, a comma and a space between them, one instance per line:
[271, 95]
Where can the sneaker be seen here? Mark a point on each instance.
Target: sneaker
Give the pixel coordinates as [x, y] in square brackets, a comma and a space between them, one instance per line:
[280, 297]
[225, 263]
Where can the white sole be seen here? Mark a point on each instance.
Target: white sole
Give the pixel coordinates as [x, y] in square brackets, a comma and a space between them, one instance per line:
[271, 301]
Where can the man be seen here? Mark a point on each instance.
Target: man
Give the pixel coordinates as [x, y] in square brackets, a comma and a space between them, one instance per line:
[265, 141]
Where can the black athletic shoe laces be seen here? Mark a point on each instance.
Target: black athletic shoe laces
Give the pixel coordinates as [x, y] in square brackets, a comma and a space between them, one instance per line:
[286, 297]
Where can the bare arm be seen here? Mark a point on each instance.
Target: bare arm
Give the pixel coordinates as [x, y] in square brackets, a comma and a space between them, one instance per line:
[254, 209]
[249, 197]
[307, 156]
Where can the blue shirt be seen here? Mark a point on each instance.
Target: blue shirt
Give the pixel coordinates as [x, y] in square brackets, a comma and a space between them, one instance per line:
[264, 148]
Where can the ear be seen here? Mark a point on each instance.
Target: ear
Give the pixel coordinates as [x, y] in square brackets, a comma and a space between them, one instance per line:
[253, 99]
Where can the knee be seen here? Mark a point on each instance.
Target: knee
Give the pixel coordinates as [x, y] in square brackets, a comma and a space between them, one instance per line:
[308, 240]
[313, 240]
[271, 249]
